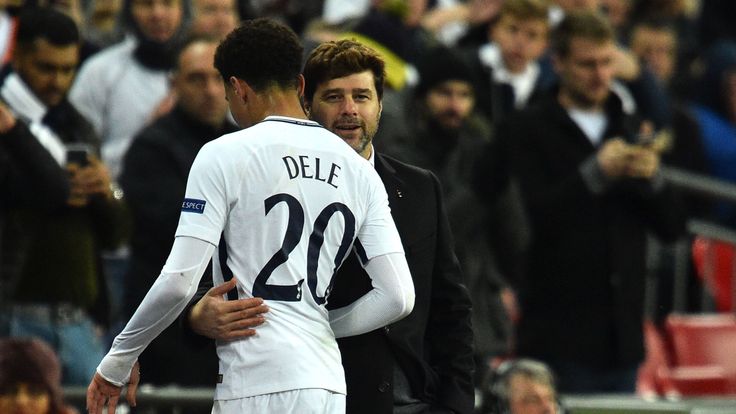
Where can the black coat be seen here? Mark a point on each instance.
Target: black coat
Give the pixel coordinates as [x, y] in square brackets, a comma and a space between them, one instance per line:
[154, 179]
[433, 345]
[583, 297]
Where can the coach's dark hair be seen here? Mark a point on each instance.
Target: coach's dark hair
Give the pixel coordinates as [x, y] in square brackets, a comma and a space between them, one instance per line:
[263, 53]
[340, 58]
[590, 25]
[45, 23]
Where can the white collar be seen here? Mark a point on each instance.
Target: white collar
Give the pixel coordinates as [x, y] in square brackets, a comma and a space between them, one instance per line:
[490, 55]
[21, 99]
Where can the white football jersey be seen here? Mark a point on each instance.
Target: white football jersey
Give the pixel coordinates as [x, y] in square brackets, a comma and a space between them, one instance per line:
[284, 200]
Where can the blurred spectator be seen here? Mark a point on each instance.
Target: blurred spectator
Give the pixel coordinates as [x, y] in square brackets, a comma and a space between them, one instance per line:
[154, 180]
[619, 14]
[522, 386]
[214, 18]
[30, 378]
[126, 86]
[714, 108]
[507, 68]
[510, 77]
[444, 135]
[655, 43]
[103, 22]
[636, 86]
[591, 190]
[682, 17]
[59, 283]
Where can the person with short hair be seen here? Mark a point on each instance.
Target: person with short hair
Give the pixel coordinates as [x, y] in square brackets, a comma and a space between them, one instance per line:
[520, 386]
[55, 286]
[590, 182]
[154, 180]
[283, 201]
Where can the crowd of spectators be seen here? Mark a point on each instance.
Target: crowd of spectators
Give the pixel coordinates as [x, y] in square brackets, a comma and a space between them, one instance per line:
[546, 122]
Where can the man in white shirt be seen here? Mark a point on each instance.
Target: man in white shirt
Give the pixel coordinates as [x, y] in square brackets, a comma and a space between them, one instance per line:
[284, 200]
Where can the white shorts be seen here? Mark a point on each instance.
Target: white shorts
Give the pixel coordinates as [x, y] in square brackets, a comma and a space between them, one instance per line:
[303, 401]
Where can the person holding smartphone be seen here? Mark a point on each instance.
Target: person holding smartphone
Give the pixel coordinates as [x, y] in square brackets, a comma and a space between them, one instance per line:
[53, 283]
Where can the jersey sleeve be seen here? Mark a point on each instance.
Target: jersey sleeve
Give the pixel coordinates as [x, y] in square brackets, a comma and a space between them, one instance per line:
[378, 235]
[205, 205]
[168, 296]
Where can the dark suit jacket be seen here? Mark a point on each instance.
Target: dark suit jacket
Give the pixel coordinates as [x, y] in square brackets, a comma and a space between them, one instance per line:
[583, 297]
[433, 345]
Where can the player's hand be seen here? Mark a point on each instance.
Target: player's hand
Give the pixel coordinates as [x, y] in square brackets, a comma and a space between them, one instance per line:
[101, 391]
[217, 318]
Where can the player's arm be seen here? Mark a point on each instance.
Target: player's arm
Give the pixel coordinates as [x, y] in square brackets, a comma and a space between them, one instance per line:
[165, 300]
[391, 299]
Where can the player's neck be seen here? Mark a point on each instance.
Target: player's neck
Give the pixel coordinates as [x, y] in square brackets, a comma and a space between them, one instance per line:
[281, 103]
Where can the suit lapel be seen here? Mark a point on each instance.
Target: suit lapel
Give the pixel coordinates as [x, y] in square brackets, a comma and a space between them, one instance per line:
[395, 186]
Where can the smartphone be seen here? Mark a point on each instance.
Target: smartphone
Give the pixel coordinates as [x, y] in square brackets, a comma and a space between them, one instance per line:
[78, 154]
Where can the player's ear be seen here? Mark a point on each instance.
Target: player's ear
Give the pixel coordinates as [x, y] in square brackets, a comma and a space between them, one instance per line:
[239, 86]
[300, 85]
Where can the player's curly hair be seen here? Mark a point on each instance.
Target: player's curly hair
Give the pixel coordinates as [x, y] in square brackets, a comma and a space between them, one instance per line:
[263, 53]
[340, 58]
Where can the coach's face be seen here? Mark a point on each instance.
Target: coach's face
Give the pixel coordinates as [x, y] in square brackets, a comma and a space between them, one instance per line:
[349, 107]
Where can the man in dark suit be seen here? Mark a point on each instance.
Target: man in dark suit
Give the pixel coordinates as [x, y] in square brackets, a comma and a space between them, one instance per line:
[590, 181]
[423, 363]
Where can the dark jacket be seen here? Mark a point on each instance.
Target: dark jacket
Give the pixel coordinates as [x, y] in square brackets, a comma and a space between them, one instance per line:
[452, 155]
[58, 250]
[433, 346]
[582, 299]
[29, 179]
[154, 180]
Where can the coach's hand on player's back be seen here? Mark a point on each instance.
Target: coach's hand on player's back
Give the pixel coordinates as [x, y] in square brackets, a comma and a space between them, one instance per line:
[217, 318]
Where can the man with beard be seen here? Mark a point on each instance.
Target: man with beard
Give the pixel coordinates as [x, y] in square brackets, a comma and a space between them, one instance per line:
[154, 179]
[423, 363]
[124, 87]
[445, 135]
[50, 253]
[590, 183]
